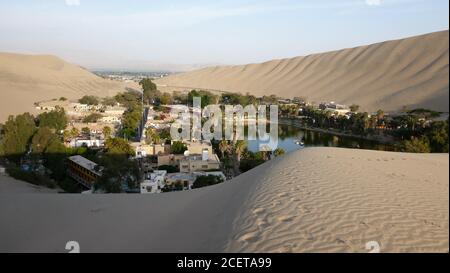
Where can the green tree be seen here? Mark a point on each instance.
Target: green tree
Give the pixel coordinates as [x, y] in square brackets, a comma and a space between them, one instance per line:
[117, 168]
[380, 114]
[107, 132]
[278, 152]
[204, 181]
[131, 119]
[151, 137]
[166, 99]
[147, 85]
[150, 91]
[92, 118]
[438, 137]
[74, 132]
[16, 135]
[89, 100]
[55, 155]
[41, 140]
[178, 147]
[86, 131]
[416, 145]
[224, 147]
[207, 98]
[109, 101]
[238, 149]
[354, 108]
[55, 119]
[118, 146]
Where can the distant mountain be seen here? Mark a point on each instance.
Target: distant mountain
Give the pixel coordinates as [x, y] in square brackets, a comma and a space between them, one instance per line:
[410, 72]
[26, 79]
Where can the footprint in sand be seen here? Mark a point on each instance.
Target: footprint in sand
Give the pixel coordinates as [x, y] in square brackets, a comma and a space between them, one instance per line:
[304, 209]
[285, 218]
[283, 194]
[259, 211]
[284, 249]
[276, 203]
[363, 224]
[262, 223]
[250, 237]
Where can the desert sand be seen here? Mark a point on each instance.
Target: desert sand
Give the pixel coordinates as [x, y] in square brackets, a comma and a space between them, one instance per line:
[26, 79]
[410, 72]
[312, 200]
[14, 186]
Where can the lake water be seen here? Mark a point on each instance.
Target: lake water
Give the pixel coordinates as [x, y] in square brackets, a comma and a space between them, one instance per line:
[289, 135]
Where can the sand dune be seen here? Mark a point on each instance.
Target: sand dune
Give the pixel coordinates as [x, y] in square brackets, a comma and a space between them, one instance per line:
[313, 200]
[26, 79]
[410, 72]
[13, 186]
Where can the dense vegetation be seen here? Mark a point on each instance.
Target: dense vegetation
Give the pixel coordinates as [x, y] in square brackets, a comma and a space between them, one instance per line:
[430, 139]
[92, 118]
[415, 129]
[55, 119]
[152, 95]
[178, 148]
[32, 150]
[118, 172]
[34, 147]
[205, 181]
[132, 117]
[89, 100]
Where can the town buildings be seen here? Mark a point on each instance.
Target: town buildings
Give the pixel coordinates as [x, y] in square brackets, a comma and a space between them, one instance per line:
[154, 182]
[83, 170]
[339, 109]
[199, 162]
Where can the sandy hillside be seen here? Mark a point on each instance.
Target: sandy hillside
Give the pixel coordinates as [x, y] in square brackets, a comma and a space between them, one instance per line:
[313, 200]
[26, 79]
[13, 186]
[409, 72]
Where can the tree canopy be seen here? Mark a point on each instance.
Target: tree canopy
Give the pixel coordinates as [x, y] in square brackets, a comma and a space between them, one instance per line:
[178, 147]
[204, 181]
[89, 100]
[55, 119]
[16, 135]
[92, 118]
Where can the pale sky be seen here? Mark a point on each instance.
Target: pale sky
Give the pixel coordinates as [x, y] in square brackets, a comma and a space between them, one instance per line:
[147, 35]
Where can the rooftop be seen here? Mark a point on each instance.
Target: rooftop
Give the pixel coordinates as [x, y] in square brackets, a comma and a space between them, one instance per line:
[84, 162]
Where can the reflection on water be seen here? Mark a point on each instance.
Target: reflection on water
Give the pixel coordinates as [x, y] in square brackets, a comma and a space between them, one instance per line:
[288, 136]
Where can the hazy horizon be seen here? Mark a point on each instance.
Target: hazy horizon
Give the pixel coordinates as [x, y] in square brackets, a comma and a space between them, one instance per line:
[184, 35]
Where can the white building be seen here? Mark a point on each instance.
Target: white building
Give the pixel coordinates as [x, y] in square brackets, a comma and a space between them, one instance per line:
[154, 183]
[339, 109]
[199, 162]
[111, 119]
[86, 142]
[115, 111]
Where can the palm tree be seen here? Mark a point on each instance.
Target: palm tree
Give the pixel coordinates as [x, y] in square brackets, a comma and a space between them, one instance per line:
[67, 136]
[223, 147]
[74, 132]
[106, 131]
[380, 114]
[278, 152]
[354, 108]
[239, 147]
